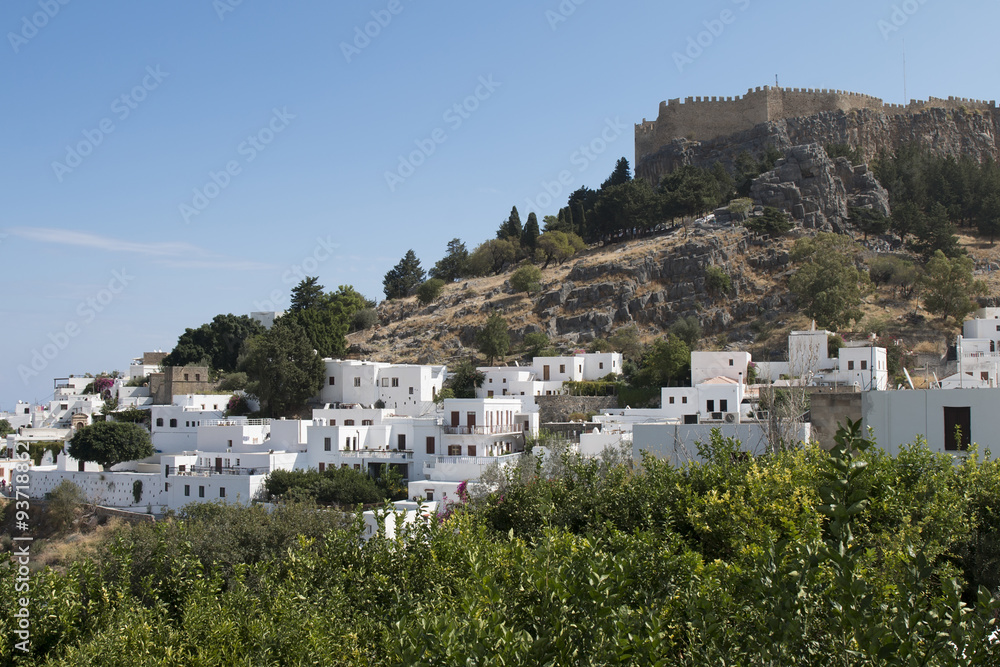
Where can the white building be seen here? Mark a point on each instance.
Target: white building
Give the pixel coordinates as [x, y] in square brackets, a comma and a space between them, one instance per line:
[949, 420]
[977, 352]
[174, 428]
[405, 389]
[808, 360]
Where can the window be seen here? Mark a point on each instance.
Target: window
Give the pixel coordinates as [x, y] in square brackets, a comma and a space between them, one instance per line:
[684, 399]
[429, 495]
[357, 466]
[187, 489]
[333, 381]
[491, 380]
[237, 463]
[711, 406]
[185, 377]
[395, 382]
[385, 382]
[600, 365]
[159, 421]
[322, 466]
[864, 365]
[222, 492]
[562, 368]
[327, 444]
[348, 422]
[201, 491]
[723, 405]
[173, 423]
[671, 400]
[471, 449]
[957, 429]
[730, 362]
[411, 391]
[430, 444]
[197, 377]
[454, 450]
[850, 365]
[333, 422]
[366, 422]
[401, 441]
[357, 382]
[230, 443]
[984, 376]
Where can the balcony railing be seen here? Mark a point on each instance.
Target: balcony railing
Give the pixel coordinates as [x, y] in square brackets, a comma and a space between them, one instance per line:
[500, 429]
[376, 454]
[207, 471]
[236, 422]
[475, 460]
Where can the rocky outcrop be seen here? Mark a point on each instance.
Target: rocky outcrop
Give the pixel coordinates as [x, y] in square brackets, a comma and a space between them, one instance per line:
[817, 191]
[955, 132]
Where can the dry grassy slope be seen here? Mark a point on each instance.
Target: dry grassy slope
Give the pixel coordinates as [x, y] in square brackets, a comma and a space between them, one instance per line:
[649, 282]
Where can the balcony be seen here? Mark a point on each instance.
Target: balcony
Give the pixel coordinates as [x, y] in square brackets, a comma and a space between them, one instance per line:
[208, 471]
[236, 422]
[386, 454]
[501, 429]
[474, 460]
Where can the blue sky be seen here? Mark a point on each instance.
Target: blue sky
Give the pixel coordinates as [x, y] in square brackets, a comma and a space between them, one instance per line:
[165, 162]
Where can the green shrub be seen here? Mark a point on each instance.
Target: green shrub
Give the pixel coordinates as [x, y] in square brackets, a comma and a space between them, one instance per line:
[429, 290]
[528, 278]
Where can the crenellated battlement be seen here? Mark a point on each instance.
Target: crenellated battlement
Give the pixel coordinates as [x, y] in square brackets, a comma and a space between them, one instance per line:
[704, 118]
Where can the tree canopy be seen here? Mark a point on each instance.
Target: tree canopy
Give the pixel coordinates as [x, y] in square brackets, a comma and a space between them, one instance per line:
[216, 344]
[454, 265]
[110, 443]
[827, 283]
[283, 370]
[493, 340]
[401, 280]
[949, 287]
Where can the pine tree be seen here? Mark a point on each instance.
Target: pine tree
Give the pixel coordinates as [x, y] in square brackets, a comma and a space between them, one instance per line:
[307, 294]
[511, 227]
[622, 174]
[402, 279]
[529, 239]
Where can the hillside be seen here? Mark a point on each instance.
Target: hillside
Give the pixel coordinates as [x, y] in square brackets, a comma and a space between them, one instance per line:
[651, 282]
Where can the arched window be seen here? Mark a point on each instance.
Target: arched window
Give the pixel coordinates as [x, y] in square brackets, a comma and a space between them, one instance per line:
[173, 423]
[159, 421]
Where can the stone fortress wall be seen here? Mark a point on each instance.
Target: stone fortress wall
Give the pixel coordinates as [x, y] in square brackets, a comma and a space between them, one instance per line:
[706, 118]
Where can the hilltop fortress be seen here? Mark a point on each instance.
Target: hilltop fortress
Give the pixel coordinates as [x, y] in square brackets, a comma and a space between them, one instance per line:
[688, 131]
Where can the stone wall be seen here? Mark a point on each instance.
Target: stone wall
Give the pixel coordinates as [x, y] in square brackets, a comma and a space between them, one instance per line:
[707, 118]
[827, 407]
[179, 381]
[559, 408]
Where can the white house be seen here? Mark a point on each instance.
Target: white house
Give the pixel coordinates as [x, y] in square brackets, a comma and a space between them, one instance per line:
[977, 352]
[949, 420]
[808, 360]
[405, 389]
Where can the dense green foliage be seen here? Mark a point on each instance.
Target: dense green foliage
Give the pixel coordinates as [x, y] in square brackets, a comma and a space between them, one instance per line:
[216, 344]
[493, 339]
[5, 428]
[324, 317]
[454, 265]
[333, 486]
[402, 279]
[527, 278]
[827, 284]
[802, 557]
[283, 369]
[429, 290]
[772, 223]
[108, 443]
[949, 288]
[464, 379]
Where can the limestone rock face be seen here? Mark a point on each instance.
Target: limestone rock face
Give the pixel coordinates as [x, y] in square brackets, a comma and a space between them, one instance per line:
[817, 191]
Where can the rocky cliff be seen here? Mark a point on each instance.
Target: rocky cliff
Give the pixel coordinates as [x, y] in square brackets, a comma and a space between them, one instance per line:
[648, 282]
[955, 132]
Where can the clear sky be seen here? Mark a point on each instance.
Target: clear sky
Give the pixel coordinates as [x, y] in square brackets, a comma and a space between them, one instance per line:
[164, 162]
